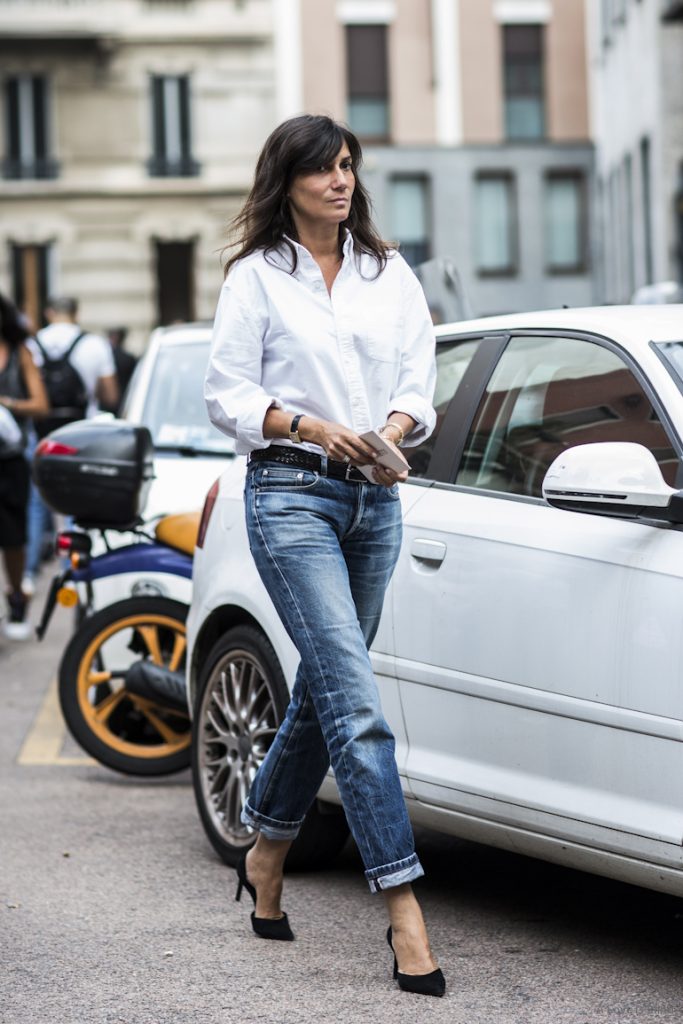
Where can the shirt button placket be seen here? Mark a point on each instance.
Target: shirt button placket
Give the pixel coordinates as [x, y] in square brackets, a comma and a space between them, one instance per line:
[359, 409]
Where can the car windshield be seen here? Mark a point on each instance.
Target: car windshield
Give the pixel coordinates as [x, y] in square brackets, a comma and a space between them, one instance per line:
[174, 410]
[672, 355]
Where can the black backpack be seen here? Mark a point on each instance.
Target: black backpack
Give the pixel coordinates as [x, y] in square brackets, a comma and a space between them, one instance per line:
[65, 389]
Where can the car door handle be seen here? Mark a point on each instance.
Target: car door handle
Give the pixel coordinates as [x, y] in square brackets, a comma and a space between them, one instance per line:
[431, 551]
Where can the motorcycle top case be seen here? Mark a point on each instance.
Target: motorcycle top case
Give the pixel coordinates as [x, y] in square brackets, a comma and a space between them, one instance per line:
[99, 472]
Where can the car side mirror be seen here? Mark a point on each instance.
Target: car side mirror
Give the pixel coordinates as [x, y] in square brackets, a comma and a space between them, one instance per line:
[612, 478]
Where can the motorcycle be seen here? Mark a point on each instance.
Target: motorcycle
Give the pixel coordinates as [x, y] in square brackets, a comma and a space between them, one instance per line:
[121, 678]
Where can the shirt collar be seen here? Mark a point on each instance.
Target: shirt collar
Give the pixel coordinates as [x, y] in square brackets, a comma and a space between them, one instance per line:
[282, 256]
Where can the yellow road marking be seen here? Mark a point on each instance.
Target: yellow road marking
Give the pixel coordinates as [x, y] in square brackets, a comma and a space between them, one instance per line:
[45, 741]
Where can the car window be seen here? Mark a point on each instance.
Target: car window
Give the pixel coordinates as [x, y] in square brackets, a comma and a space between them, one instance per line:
[174, 409]
[548, 394]
[672, 353]
[452, 359]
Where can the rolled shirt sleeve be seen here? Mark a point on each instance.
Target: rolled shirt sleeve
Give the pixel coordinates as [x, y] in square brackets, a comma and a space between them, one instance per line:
[235, 400]
[414, 391]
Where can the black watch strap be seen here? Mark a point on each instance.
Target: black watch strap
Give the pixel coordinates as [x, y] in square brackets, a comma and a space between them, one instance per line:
[294, 430]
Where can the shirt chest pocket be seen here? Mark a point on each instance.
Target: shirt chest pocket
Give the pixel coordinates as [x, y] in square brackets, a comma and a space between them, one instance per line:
[379, 334]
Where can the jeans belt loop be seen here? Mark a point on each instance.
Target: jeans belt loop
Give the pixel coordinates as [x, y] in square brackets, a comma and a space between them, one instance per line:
[323, 464]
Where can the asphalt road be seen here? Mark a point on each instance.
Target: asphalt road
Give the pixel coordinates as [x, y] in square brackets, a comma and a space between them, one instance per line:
[114, 910]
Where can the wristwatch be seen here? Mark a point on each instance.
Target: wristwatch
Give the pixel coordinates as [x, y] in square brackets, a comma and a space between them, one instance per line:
[294, 430]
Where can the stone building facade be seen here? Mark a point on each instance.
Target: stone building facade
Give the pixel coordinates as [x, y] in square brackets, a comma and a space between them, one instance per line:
[636, 62]
[131, 127]
[130, 131]
[474, 119]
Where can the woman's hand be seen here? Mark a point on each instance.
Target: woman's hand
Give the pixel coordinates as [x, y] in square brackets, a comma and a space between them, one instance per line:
[385, 476]
[339, 442]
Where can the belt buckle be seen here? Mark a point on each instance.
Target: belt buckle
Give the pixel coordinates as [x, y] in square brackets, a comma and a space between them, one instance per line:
[349, 469]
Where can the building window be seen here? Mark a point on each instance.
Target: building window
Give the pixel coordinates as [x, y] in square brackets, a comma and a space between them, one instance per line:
[612, 14]
[627, 221]
[523, 78]
[409, 201]
[565, 223]
[646, 200]
[26, 118]
[171, 155]
[175, 282]
[672, 10]
[621, 10]
[615, 257]
[368, 81]
[679, 221]
[496, 224]
[30, 280]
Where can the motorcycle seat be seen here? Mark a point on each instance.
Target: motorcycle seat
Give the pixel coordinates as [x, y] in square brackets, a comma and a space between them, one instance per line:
[179, 531]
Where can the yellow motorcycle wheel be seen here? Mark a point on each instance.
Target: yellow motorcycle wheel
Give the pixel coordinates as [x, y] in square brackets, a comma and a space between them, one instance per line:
[122, 730]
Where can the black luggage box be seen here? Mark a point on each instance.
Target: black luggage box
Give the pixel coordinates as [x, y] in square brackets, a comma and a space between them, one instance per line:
[99, 472]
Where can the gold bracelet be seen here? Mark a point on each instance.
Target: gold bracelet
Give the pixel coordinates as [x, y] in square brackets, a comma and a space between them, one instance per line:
[398, 427]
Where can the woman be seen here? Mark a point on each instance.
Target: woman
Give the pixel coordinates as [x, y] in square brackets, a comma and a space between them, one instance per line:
[322, 334]
[22, 394]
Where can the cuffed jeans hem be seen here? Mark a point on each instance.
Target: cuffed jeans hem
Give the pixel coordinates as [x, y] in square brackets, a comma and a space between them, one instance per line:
[269, 827]
[391, 875]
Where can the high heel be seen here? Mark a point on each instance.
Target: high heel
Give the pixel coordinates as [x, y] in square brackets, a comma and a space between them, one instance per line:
[265, 927]
[432, 984]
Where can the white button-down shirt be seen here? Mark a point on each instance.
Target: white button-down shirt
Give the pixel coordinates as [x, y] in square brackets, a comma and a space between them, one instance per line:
[352, 357]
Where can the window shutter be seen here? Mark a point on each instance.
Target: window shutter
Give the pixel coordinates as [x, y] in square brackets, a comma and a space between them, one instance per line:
[39, 98]
[158, 125]
[12, 120]
[184, 114]
[366, 52]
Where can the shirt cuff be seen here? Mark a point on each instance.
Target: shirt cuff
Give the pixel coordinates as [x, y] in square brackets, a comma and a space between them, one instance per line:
[421, 411]
[250, 430]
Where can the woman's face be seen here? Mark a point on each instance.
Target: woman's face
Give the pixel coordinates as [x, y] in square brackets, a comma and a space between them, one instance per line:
[323, 196]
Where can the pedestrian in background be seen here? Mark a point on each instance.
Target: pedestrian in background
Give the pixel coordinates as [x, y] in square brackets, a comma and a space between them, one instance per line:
[124, 362]
[322, 333]
[22, 395]
[90, 356]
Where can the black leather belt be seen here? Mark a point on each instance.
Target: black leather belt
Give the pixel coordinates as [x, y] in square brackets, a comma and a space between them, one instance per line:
[308, 460]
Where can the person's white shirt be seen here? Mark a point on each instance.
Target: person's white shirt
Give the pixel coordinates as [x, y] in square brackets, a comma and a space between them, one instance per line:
[351, 357]
[92, 358]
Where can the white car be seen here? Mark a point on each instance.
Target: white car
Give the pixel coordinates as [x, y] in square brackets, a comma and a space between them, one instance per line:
[530, 655]
[166, 395]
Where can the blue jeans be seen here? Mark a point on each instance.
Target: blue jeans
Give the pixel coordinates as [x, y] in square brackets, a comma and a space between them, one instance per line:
[325, 550]
[39, 521]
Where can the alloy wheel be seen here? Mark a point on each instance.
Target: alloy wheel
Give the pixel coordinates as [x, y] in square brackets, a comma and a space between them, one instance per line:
[237, 722]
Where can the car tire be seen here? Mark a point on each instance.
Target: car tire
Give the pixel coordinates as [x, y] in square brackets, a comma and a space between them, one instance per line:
[118, 729]
[241, 699]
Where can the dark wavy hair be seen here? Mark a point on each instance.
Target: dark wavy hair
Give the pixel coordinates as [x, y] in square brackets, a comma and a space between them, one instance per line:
[12, 329]
[298, 146]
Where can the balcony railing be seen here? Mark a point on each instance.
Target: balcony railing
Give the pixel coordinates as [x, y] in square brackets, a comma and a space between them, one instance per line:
[40, 169]
[55, 21]
[183, 167]
[192, 20]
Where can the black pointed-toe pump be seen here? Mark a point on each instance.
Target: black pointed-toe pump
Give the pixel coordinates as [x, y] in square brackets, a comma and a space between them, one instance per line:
[265, 927]
[432, 984]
